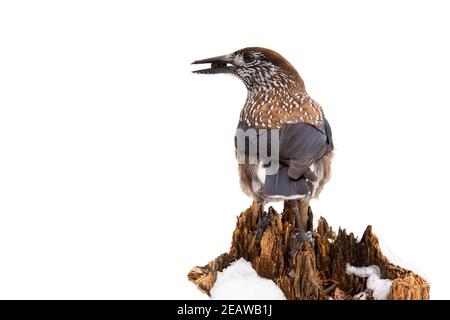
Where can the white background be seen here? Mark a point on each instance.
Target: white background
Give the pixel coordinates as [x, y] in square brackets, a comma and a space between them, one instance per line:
[117, 172]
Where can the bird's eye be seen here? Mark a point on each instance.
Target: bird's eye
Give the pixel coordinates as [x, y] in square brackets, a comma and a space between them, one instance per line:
[248, 57]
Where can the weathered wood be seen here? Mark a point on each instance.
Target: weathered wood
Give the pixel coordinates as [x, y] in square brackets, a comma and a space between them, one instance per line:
[318, 270]
[205, 277]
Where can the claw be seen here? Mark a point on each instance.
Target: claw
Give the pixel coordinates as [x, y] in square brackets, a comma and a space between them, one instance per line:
[309, 236]
[298, 242]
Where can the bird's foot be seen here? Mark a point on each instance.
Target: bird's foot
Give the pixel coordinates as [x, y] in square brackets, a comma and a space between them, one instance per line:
[300, 237]
[264, 222]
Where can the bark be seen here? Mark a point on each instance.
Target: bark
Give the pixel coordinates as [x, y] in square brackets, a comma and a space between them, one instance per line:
[318, 271]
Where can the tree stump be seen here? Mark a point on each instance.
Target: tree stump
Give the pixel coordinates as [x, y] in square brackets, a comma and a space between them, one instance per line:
[318, 271]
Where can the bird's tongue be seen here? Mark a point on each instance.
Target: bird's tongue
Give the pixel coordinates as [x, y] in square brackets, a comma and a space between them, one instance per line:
[218, 64]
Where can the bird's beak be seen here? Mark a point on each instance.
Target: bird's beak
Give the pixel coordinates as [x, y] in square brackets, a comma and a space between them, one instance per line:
[221, 64]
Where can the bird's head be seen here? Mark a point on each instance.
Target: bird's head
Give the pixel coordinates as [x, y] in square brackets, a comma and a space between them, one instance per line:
[259, 68]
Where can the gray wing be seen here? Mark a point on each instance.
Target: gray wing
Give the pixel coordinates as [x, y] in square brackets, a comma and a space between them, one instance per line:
[300, 145]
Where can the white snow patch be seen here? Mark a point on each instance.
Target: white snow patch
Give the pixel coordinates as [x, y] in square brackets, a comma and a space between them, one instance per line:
[240, 281]
[380, 287]
[361, 296]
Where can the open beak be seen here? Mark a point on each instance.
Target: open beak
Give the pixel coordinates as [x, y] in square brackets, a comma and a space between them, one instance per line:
[221, 64]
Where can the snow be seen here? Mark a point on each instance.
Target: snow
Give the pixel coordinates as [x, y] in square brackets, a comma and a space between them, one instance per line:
[379, 287]
[240, 281]
[361, 296]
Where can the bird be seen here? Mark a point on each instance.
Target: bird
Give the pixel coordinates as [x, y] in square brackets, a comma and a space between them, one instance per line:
[293, 125]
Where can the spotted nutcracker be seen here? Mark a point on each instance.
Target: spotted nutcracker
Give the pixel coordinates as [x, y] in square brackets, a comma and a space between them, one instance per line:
[277, 102]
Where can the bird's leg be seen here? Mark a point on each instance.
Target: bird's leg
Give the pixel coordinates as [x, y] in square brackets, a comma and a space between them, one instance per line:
[301, 233]
[263, 219]
[298, 217]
